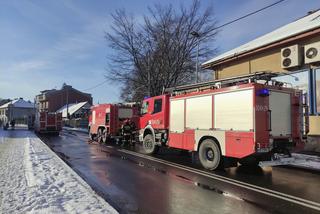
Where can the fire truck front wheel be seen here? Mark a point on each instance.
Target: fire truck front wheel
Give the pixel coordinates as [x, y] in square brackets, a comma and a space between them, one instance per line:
[92, 136]
[209, 154]
[105, 136]
[100, 136]
[149, 145]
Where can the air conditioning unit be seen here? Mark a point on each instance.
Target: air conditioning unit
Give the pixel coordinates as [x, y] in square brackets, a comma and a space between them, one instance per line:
[290, 56]
[312, 53]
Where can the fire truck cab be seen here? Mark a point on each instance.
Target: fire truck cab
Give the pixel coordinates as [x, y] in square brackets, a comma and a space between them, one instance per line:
[238, 121]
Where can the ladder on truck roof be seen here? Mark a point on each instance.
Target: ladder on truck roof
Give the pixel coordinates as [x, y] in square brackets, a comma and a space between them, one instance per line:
[267, 76]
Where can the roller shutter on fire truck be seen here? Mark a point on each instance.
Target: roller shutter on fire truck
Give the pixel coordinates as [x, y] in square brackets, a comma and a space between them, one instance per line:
[234, 110]
[213, 115]
[280, 106]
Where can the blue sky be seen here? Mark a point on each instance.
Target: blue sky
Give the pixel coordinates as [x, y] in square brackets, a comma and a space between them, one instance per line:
[46, 43]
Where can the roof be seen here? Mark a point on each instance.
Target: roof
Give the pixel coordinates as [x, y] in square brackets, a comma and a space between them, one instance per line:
[64, 87]
[19, 103]
[72, 108]
[304, 24]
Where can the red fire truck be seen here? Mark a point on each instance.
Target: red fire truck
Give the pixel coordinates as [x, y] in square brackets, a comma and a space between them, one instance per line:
[113, 121]
[48, 122]
[251, 117]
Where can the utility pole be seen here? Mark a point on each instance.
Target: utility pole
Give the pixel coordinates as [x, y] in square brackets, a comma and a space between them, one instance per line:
[197, 35]
[149, 82]
[149, 77]
[67, 102]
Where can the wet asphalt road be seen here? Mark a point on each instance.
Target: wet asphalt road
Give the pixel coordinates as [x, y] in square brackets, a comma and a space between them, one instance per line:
[134, 183]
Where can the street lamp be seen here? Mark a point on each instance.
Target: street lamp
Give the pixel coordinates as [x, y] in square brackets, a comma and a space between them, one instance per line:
[196, 35]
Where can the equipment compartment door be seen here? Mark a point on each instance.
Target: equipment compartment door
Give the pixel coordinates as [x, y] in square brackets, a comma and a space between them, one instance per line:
[280, 106]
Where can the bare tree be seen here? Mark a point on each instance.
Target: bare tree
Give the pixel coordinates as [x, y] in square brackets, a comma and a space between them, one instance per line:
[159, 52]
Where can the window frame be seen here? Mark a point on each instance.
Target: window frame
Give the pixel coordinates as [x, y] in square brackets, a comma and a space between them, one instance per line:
[144, 109]
[154, 106]
[316, 75]
[107, 117]
[310, 89]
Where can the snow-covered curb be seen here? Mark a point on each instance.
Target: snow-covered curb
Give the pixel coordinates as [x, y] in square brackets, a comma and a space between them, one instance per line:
[310, 162]
[35, 180]
[76, 129]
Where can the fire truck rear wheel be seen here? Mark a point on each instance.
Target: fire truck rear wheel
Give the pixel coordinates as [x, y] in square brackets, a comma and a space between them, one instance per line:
[149, 145]
[209, 154]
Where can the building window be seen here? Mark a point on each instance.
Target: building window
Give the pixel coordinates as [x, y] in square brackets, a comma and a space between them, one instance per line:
[299, 80]
[309, 82]
[317, 91]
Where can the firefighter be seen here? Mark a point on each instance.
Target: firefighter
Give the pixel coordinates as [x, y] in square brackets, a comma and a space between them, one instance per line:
[12, 124]
[5, 126]
[128, 128]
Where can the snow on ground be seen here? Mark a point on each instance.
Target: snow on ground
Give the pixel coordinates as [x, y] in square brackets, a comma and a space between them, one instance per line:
[306, 161]
[76, 129]
[34, 180]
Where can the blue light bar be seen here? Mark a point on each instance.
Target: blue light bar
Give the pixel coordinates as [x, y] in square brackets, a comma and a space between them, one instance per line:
[264, 92]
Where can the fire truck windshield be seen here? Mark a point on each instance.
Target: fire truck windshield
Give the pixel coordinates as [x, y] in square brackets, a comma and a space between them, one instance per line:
[144, 108]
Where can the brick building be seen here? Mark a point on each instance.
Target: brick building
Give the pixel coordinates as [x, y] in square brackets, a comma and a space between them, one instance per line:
[52, 100]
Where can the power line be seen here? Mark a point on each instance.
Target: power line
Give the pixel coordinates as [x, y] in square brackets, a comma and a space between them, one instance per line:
[93, 87]
[249, 14]
[223, 25]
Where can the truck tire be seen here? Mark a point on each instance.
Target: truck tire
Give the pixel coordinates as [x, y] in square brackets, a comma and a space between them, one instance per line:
[209, 154]
[105, 137]
[249, 161]
[92, 136]
[149, 146]
[99, 137]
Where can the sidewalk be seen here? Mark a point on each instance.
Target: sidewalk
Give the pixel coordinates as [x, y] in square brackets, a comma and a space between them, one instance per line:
[35, 180]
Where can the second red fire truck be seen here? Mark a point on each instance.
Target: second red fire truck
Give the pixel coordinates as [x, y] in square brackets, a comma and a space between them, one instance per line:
[47, 122]
[250, 118]
[113, 121]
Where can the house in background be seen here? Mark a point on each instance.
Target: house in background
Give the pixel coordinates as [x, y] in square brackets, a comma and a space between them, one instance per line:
[4, 101]
[52, 100]
[292, 50]
[17, 109]
[76, 114]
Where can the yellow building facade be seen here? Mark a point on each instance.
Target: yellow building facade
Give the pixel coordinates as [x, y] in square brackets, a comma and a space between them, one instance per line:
[267, 53]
